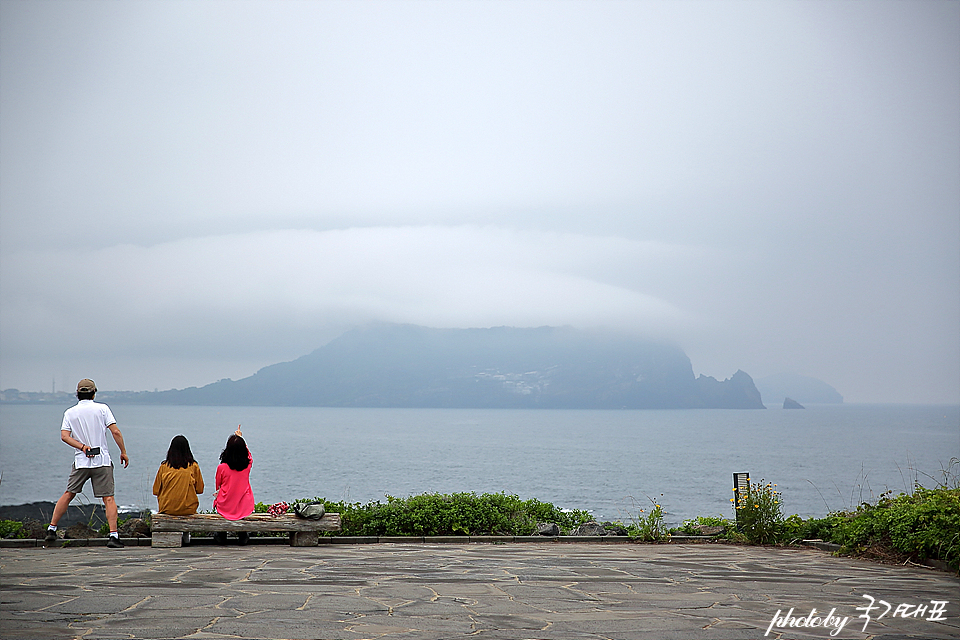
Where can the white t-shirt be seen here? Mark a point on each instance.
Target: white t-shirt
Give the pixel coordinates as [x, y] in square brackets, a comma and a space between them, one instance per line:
[87, 421]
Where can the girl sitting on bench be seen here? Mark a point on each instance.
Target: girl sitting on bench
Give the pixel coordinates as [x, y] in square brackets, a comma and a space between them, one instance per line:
[178, 482]
[234, 499]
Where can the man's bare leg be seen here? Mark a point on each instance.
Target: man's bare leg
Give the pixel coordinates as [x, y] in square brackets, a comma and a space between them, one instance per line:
[110, 506]
[61, 507]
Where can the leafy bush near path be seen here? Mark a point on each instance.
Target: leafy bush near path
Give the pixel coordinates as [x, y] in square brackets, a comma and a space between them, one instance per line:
[917, 526]
[11, 529]
[458, 514]
[922, 525]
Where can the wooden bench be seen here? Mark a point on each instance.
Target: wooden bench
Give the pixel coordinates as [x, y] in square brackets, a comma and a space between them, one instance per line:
[167, 531]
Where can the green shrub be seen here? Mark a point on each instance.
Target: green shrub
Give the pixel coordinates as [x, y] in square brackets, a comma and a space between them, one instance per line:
[12, 529]
[465, 514]
[923, 525]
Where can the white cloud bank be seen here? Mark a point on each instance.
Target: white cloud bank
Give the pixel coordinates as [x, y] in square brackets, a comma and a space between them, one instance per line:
[286, 291]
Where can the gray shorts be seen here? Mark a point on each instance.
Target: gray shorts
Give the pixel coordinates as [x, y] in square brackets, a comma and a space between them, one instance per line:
[101, 477]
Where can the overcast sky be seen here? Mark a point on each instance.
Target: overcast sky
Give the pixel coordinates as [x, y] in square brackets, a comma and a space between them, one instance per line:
[191, 191]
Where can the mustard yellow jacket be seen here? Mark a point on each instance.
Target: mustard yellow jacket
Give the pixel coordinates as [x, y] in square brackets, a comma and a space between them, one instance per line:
[177, 489]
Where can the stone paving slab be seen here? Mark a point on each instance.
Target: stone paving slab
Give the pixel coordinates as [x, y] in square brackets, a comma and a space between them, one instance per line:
[440, 591]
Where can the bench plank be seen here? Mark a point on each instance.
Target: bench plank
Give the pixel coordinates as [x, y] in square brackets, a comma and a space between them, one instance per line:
[254, 523]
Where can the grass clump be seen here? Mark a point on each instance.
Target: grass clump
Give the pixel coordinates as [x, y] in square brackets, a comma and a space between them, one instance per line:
[648, 525]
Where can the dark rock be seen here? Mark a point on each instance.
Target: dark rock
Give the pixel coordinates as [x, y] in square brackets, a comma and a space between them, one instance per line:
[590, 529]
[135, 528]
[80, 531]
[34, 529]
[614, 529]
[548, 529]
[707, 530]
[789, 403]
[800, 388]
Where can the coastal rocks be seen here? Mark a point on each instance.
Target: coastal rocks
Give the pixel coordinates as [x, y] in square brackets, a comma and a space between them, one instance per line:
[80, 531]
[42, 511]
[33, 529]
[590, 529]
[593, 528]
[614, 529]
[708, 530]
[135, 528]
[790, 403]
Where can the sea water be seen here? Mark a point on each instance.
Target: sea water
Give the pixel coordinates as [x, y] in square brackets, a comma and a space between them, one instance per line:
[611, 463]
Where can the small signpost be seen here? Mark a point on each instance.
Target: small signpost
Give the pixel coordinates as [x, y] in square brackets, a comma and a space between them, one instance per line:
[741, 486]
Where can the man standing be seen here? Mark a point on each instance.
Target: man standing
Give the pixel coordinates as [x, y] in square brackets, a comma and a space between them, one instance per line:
[85, 427]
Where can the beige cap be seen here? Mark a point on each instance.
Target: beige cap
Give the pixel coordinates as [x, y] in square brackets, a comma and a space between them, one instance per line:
[86, 386]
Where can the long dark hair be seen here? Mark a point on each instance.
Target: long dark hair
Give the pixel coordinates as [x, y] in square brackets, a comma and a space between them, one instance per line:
[236, 454]
[179, 455]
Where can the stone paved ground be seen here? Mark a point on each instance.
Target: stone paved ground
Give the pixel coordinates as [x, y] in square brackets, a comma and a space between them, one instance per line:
[434, 591]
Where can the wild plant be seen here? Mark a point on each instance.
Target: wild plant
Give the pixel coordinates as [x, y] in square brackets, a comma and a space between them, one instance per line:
[758, 512]
[648, 525]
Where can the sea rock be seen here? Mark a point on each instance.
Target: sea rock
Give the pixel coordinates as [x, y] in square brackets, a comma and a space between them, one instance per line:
[790, 403]
[800, 388]
[80, 531]
[590, 529]
[614, 529]
[548, 529]
[135, 528]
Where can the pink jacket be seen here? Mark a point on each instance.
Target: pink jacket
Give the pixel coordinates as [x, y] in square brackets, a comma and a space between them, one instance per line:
[234, 496]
